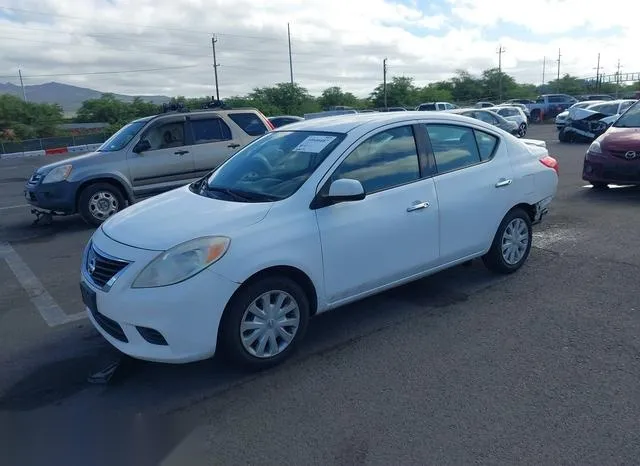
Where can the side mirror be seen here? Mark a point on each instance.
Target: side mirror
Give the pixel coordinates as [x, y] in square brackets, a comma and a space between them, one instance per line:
[142, 146]
[345, 190]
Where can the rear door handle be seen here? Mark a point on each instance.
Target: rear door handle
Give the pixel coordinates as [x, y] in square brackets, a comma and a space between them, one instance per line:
[181, 152]
[502, 183]
[233, 145]
[417, 205]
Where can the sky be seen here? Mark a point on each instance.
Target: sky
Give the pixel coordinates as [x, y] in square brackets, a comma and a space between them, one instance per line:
[151, 47]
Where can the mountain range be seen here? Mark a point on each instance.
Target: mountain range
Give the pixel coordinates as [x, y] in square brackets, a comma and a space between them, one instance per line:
[69, 97]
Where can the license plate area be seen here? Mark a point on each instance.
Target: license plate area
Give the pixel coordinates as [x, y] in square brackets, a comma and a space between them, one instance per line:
[88, 297]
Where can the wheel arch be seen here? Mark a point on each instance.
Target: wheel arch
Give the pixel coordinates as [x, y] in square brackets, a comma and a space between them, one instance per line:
[115, 182]
[289, 271]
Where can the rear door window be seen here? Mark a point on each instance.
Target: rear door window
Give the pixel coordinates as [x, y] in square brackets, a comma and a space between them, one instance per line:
[249, 122]
[210, 130]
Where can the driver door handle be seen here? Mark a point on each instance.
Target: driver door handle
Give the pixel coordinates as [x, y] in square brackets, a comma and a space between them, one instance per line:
[502, 183]
[181, 152]
[417, 205]
[233, 145]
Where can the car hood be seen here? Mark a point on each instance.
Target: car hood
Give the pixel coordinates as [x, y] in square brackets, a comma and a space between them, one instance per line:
[78, 160]
[621, 139]
[180, 215]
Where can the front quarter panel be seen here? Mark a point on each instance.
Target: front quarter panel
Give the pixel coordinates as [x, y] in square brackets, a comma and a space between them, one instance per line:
[288, 236]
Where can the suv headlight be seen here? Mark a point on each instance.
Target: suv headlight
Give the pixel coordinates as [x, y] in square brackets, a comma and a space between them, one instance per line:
[58, 174]
[182, 262]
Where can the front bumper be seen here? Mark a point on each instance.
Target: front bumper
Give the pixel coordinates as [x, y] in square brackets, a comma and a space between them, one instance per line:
[56, 197]
[610, 170]
[172, 324]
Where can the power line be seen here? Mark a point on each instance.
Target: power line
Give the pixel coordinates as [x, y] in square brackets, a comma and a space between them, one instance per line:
[103, 72]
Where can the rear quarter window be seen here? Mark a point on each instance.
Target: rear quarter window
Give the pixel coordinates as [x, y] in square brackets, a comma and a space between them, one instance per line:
[249, 122]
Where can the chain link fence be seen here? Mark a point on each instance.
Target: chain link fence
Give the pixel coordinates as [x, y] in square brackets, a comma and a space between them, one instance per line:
[51, 143]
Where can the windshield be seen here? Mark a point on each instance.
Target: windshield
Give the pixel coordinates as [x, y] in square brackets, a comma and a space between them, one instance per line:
[271, 168]
[630, 118]
[122, 137]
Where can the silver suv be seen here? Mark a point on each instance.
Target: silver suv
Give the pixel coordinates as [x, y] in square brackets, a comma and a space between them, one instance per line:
[146, 157]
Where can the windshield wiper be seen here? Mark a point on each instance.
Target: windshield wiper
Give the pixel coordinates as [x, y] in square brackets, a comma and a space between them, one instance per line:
[241, 195]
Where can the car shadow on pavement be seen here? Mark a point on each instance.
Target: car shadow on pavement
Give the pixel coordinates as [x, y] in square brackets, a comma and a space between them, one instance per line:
[135, 384]
[23, 230]
[615, 193]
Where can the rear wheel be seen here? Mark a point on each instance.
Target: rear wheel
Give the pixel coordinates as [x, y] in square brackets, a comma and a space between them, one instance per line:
[98, 202]
[264, 322]
[522, 130]
[511, 244]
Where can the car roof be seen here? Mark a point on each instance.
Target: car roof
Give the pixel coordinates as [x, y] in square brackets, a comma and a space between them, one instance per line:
[287, 116]
[371, 121]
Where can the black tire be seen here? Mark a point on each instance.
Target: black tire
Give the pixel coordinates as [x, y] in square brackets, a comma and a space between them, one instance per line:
[229, 335]
[535, 116]
[111, 195]
[599, 186]
[522, 130]
[562, 136]
[494, 260]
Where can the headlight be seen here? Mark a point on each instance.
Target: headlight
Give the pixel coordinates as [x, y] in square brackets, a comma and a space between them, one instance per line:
[182, 262]
[58, 174]
[595, 148]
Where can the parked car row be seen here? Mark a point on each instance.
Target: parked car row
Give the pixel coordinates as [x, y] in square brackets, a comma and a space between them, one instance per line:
[585, 121]
[614, 156]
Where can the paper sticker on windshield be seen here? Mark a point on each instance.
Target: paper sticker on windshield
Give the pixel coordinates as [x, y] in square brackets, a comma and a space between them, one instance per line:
[314, 144]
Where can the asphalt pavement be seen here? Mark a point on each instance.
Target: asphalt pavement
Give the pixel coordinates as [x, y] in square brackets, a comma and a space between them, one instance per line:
[540, 367]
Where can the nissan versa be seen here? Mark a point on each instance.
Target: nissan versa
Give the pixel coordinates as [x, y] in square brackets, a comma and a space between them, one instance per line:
[307, 218]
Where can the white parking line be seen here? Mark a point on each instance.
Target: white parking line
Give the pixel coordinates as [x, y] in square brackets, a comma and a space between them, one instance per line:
[14, 206]
[52, 314]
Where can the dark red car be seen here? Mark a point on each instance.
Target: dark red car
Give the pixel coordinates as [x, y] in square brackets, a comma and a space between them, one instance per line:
[614, 158]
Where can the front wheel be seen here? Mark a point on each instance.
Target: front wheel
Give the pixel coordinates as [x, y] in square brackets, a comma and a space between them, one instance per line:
[98, 202]
[264, 322]
[511, 244]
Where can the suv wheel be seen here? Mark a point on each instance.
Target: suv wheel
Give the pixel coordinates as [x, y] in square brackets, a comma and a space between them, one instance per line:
[98, 202]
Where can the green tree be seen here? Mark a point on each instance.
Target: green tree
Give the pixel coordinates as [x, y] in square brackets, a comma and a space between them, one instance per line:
[434, 92]
[25, 120]
[401, 92]
[466, 88]
[109, 109]
[334, 96]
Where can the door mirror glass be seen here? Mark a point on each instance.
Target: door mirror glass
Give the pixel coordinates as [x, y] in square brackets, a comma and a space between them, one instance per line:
[141, 146]
[345, 189]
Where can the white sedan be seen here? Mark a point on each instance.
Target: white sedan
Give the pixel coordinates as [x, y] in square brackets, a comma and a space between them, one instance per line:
[305, 219]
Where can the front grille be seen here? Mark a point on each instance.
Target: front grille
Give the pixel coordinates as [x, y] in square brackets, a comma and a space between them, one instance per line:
[101, 269]
[152, 336]
[622, 155]
[110, 326]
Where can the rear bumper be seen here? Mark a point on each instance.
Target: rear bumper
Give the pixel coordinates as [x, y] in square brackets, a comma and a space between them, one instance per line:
[604, 169]
[542, 209]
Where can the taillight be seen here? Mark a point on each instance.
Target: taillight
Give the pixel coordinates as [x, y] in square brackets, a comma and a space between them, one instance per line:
[269, 124]
[550, 162]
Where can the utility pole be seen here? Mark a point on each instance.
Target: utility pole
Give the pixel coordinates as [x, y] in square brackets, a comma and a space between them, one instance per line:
[24, 94]
[618, 78]
[558, 80]
[500, 51]
[290, 59]
[215, 65]
[597, 68]
[384, 81]
[544, 66]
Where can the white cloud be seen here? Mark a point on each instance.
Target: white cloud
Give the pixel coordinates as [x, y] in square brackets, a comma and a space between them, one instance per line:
[334, 42]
